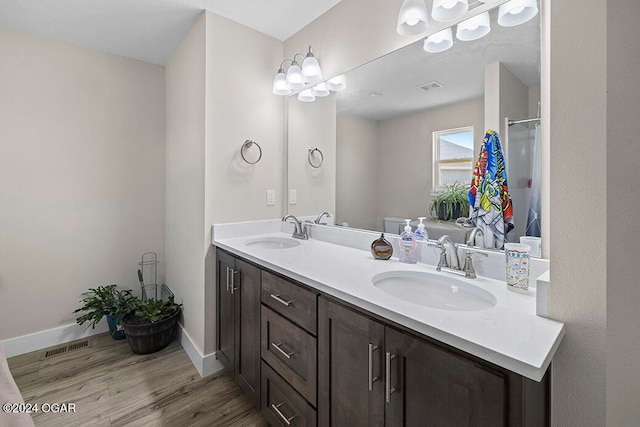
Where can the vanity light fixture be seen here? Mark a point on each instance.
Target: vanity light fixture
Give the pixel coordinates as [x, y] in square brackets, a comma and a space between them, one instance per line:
[516, 12]
[412, 18]
[320, 90]
[337, 83]
[296, 76]
[439, 42]
[306, 96]
[474, 28]
[448, 10]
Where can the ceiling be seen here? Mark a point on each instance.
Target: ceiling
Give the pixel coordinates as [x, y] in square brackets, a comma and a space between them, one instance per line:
[150, 30]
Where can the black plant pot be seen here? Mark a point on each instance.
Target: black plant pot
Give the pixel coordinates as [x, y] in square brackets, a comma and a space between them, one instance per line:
[442, 212]
[149, 338]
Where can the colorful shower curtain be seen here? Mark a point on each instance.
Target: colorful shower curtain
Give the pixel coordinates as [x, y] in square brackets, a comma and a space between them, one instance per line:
[491, 207]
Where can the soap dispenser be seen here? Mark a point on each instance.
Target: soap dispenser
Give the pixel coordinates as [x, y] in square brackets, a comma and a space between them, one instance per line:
[421, 232]
[408, 245]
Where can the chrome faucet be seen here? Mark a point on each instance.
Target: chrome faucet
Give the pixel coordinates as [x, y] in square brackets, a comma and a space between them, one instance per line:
[454, 264]
[299, 230]
[472, 236]
[327, 214]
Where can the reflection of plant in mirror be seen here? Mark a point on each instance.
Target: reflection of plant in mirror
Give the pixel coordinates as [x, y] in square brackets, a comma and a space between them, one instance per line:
[452, 203]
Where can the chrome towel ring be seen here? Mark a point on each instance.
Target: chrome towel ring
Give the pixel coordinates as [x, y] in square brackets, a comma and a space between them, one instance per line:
[312, 157]
[245, 146]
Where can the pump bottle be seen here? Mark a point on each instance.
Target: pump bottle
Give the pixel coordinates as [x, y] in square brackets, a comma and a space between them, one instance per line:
[408, 245]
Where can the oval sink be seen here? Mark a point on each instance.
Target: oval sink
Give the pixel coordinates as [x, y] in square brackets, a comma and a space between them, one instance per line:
[434, 290]
[274, 243]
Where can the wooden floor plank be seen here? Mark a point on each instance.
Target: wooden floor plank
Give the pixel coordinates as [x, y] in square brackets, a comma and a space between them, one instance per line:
[112, 386]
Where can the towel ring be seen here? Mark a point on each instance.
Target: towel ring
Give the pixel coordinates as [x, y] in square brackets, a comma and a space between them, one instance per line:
[310, 157]
[245, 146]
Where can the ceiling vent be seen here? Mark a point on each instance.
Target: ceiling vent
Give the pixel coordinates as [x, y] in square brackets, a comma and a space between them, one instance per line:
[430, 86]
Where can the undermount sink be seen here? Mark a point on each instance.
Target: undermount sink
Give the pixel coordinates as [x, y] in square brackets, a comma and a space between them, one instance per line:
[274, 242]
[435, 290]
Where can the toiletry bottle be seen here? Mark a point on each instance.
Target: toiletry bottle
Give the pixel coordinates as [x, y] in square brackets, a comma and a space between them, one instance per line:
[421, 232]
[408, 245]
[381, 248]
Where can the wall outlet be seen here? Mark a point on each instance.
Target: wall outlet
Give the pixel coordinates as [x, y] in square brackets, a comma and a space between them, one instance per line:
[271, 197]
[293, 197]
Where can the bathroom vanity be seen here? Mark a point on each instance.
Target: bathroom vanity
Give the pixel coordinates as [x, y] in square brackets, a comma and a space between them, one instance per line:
[313, 341]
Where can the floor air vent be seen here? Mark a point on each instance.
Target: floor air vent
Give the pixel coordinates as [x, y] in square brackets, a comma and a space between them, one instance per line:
[75, 345]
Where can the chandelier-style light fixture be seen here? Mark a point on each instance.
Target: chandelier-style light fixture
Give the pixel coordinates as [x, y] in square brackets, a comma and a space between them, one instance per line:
[307, 77]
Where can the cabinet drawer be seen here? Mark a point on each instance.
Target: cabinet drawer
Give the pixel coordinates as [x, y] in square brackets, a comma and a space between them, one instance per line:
[291, 351]
[292, 301]
[281, 404]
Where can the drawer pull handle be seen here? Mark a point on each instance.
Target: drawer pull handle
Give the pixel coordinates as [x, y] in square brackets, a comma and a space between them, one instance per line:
[280, 300]
[284, 353]
[233, 282]
[228, 269]
[372, 379]
[388, 389]
[276, 409]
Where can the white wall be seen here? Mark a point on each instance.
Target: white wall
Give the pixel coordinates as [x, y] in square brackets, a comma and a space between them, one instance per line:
[218, 95]
[623, 195]
[185, 164]
[579, 187]
[312, 125]
[356, 171]
[405, 151]
[81, 176]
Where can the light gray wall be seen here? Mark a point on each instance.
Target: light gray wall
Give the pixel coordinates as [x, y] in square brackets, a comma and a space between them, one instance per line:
[622, 201]
[357, 172]
[81, 176]
[185, 124]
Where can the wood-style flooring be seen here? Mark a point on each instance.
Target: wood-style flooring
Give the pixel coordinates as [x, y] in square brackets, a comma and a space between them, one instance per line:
[112, 386]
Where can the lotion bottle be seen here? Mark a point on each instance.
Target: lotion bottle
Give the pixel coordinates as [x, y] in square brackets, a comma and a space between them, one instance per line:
[421, 232]
[408, 245]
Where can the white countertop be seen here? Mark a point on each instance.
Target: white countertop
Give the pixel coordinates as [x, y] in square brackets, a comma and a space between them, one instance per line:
[509, 334]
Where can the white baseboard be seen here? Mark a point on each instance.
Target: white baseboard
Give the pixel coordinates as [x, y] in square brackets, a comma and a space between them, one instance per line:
[49, 338]
[204, 364]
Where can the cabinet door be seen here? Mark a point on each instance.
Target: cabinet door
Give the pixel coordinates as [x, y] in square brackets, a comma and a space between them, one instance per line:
[350, 370]
[430, 386]
[226, 311]
[246, 292]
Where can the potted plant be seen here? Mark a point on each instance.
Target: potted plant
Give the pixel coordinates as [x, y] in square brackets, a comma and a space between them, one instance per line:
[106, 301]
[452, 203]
[150, 326]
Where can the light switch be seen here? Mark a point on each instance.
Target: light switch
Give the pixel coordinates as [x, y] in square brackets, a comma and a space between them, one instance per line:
[293, 197]
[271, 197]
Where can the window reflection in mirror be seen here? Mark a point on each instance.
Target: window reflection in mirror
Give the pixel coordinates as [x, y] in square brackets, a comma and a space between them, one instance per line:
[452, 157]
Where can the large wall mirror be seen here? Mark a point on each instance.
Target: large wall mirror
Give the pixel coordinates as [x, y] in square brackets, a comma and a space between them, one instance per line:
[376, 136]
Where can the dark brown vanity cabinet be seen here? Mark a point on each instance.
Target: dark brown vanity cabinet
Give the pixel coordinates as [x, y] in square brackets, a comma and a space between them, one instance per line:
[371, 374]
[308, 359]
[289, 352]
[238, 316]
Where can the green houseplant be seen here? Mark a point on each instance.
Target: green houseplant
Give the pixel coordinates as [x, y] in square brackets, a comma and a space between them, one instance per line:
[150, 326]
[106, 301]
[452, 203]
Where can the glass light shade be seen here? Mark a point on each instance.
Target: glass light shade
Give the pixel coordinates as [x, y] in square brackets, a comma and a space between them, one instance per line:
[516, 12]
[311, 72]
[280, 84]
[439, 42]
[306, 96]
[448, 10]
[294, 77]
[412, 18]
[320, 90]
[474, 28]
[337, 83]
